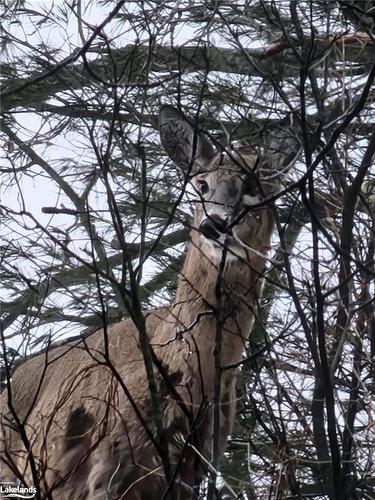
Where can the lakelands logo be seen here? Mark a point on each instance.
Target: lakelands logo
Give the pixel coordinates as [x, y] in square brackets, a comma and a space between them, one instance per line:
[14, 490]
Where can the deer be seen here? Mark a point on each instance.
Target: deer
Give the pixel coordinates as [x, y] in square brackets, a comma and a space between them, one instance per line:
[88, 419]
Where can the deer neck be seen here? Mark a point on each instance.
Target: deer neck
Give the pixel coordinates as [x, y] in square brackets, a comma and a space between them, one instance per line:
[212, 296]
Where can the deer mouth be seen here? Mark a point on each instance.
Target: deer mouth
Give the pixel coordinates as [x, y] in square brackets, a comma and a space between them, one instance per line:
[214, 228]
[216, 232]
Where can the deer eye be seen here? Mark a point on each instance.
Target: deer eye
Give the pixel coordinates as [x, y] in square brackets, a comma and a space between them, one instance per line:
[203, 186]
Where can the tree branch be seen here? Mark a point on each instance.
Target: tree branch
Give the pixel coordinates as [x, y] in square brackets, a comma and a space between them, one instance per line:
[131, 62]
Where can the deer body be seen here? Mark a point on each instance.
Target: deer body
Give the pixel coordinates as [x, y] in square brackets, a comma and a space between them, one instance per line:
[81, 420]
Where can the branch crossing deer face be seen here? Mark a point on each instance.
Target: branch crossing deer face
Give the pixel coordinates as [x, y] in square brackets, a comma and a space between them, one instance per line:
[228, 187]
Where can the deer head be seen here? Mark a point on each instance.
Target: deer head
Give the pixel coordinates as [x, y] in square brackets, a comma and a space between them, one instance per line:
[229, 187]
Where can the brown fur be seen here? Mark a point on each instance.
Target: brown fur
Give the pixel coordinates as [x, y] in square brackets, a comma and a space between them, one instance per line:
[112, 436]
[87, 440]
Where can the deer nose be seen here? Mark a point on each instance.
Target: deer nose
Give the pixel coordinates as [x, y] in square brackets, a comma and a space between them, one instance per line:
[213, 227]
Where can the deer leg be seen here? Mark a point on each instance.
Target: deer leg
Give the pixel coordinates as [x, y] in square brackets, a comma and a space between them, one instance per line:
[115, 475]
[74, 459]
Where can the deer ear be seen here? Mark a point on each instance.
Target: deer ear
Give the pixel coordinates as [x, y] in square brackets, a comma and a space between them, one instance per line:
[185, 145]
